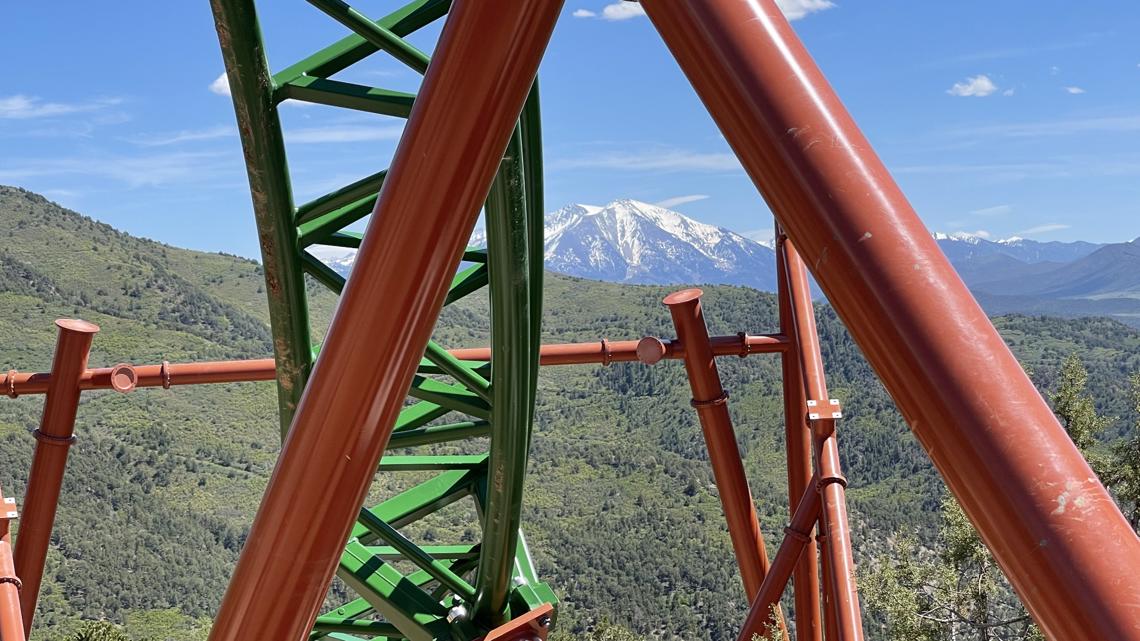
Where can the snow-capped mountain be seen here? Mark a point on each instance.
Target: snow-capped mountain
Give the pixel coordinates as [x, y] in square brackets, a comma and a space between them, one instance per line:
[963, 247]
[634, 242]
[628, 241]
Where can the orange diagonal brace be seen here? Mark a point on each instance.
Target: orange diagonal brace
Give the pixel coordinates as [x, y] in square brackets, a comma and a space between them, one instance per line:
[1049, 522]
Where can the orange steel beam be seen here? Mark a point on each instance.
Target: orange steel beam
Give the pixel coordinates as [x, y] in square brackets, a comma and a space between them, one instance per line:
[53, 439]
[648, 349]
[469, 102]
[124, 377]
[532, 626]
[797, 439]
[797, 537]
[839, 567]
[11, 621]
[711, 403]
[1049, 522]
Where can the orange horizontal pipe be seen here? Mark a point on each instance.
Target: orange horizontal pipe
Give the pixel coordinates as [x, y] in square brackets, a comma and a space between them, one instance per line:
[604, 351]
[263, 369]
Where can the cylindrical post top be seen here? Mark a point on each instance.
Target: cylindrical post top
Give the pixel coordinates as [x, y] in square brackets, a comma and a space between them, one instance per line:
[683, 296]
[76, 325]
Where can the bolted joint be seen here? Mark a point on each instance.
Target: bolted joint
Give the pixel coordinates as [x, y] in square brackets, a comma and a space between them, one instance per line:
[829, 409]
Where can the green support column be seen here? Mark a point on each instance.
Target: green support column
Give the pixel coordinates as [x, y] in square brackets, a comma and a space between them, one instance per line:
[264, 149]
[457, 591]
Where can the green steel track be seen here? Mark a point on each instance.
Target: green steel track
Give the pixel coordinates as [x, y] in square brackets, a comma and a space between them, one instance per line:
[406, 590]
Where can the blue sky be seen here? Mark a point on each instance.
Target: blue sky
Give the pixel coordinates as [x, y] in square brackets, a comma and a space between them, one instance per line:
[999, 118]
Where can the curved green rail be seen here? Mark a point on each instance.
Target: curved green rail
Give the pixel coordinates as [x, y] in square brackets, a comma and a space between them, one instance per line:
[406, 590]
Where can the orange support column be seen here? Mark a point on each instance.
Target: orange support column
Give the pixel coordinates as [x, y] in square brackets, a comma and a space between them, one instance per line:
[53, 439]
[11, 622]
[470, 100]
[711, 403]
[1051, 525]
[798, 444]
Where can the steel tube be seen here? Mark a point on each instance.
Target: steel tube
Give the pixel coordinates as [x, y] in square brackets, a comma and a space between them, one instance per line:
[488, 54]
[711, 403]
[11, 621]
[1050, 524]
[839, 567]
[53, 440]
[264, 369]
[796, 538]
[798, 445]
[604, 352]
[263, 145]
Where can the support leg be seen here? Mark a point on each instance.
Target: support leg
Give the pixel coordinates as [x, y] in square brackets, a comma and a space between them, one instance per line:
[799, 454]
[1051, 525]
[710, 401]
[53, 440]
[487, 56]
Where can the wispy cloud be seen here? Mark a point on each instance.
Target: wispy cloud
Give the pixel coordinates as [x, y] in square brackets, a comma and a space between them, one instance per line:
[1084, 40]
[996, 210]
[766, 237]
[796, 9]
[1062, 127]
[681, 200]
[21, 107]
[1074, 90]
[147, 170]
[1043, 229]
[652, 160]
[186, 135]
[792, 9]
[343, 134]
[221, 85]
[976, 86]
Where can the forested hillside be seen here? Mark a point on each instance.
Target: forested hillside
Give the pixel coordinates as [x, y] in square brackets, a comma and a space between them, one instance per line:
[621, 511]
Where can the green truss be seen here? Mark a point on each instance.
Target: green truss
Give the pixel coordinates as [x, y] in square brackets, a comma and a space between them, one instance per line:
[455, 591]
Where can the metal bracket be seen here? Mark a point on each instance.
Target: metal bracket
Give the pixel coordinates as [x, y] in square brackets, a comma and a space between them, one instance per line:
[829, 409]
[44, 437]
[720, 400]
[9, 508]
[12, 393]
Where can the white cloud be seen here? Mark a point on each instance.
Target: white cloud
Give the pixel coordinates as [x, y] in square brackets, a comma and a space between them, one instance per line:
[21, 107]
[1074, 90]
[210, 133]
[150, 170]
[681, 200]
[344, 133]
[766, 237]
[977, 86]
[221, 85]
[652, 160]
[1117, 124]
[622, 11]
[1054, 70]
[796, 9]
[997, 210]
[1007, 92]
[792, 9]
[1042, 229]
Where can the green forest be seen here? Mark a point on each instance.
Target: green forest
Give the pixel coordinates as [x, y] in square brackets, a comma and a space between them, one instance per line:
[621, 511]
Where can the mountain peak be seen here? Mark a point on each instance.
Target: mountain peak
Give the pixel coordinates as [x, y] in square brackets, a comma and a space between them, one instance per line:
[632, 241]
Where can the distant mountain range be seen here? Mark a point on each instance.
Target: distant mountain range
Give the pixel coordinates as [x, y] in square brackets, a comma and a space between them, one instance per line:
[628, 241]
